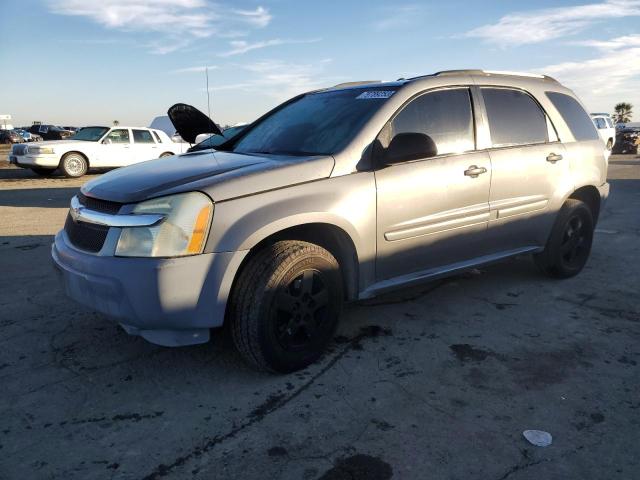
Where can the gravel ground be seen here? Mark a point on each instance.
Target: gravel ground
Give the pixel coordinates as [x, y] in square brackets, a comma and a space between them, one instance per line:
[434, 382]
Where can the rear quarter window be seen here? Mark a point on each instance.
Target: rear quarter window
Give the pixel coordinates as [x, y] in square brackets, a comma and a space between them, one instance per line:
[574, 116]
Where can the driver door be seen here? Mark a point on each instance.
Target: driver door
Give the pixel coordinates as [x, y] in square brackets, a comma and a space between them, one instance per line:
[115, 149]
[433, 211]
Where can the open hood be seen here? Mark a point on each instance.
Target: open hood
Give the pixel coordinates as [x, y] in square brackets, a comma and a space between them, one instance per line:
[190, 122]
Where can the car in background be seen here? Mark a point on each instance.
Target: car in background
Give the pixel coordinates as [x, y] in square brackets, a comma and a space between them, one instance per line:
[95, 147]
[71, 129]
[627, 140]
[606, 128]
[28, 136]
[50, 132]
[9, 137]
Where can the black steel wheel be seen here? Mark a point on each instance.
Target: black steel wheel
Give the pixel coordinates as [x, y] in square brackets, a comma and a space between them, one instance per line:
[285, 306]
[569, 244]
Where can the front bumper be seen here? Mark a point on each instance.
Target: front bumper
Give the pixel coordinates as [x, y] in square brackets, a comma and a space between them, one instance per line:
[46, 161]
[604, 194]
[167, 301]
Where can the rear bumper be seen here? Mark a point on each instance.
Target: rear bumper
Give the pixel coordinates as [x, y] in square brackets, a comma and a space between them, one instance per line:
[169, 302]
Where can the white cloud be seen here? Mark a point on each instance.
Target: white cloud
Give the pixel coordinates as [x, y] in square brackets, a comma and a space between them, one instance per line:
[175, 23]
[259, 17]
[537, 26]
[397, 16]
[281, 80]
[238, 47]
[199, 69]
[613, 76]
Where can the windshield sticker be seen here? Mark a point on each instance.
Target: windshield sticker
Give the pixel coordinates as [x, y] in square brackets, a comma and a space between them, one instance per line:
[375, 94]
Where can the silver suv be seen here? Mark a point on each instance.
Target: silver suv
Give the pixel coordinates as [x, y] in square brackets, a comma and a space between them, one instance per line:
[337, 195]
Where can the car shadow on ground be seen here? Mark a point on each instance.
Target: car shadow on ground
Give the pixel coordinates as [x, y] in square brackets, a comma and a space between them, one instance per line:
[42, 197]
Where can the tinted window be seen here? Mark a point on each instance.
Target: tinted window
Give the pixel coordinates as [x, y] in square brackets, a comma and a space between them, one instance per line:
[574, 115]
[445, 116]
[315, 124]
[118, 135]
[142, 136]
[514, 117]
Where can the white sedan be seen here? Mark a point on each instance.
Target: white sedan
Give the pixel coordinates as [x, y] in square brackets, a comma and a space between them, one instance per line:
[94, 147]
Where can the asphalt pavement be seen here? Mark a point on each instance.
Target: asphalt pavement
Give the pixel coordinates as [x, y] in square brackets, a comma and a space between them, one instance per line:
[434, 382]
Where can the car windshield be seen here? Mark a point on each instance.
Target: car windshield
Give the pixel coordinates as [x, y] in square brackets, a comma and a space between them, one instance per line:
[316, 124]
[89, 134]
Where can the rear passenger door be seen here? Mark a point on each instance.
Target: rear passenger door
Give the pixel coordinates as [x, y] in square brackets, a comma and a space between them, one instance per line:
[432, 211]
[144, 146]
[529, 172]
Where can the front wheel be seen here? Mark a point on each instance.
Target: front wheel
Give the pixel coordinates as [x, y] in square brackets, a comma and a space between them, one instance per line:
[569, 244]
[285, 306]
[74, 165]
[609, 144]
[166, 154]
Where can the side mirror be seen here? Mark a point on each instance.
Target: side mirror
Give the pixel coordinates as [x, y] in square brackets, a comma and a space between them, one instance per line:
[410, 146]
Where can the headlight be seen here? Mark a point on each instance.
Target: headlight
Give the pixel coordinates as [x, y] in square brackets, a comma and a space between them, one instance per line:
[40, 150]
[183, 231]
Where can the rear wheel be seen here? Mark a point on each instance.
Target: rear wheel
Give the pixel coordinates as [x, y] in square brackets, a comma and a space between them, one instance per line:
[74, 165]
[285, 306]
[43, 172]
[569, 244]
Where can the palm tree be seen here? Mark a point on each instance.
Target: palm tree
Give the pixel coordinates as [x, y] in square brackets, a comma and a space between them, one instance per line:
[116, 123]
[623, 112]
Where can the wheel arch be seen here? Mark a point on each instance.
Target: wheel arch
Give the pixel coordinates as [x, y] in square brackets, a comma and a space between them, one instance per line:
[591, 196]
[329, 236]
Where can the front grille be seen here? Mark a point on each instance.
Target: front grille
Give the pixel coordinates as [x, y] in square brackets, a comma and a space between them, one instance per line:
[104, 206]
[86, 236]
[19, 149]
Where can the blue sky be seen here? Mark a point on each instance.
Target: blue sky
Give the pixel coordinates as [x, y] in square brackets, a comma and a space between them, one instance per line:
[79, 62]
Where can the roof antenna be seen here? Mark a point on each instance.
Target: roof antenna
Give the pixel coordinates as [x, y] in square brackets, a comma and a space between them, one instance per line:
[206, 71]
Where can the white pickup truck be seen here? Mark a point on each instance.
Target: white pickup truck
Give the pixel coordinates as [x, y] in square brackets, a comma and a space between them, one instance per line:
[95, 147]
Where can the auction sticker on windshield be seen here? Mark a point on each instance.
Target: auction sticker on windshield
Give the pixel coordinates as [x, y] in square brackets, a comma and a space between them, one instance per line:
[375, 94]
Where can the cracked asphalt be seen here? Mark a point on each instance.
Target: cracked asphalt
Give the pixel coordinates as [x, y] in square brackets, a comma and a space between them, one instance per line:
[433, 382]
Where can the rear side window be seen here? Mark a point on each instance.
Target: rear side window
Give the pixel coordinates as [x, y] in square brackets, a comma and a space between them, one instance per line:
[600, 123]
[444, 115]
[155, 134]
[574, 116]
[142, 136]
[514, 117]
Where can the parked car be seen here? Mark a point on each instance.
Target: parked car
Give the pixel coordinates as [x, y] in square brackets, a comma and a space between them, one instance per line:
[97, 147]
[606, 129]
[627, 140]
[337, 195]
[71, 129]
[28, 136]
[50, 132]
[8, 137]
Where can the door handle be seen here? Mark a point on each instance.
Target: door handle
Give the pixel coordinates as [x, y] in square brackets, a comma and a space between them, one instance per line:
[473, 171]
[553, 158]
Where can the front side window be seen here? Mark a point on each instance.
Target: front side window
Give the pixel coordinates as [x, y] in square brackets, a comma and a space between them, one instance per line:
[319, 123]
[118, 135]
[609, 123]
[574, 116]
[445, 115]
[514, 117]
[155, 134]
[142, 136]
[600, 123]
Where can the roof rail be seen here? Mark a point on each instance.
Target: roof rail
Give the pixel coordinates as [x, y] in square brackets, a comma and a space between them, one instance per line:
[487, 72]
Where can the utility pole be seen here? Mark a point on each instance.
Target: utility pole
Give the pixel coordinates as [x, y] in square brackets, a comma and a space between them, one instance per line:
[206, 71]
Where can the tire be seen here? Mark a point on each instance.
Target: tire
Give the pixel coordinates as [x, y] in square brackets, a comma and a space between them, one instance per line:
[609, 144]
[43, 172]
[166, 154]
[285, 306]
[569, 244]
[74, 165]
